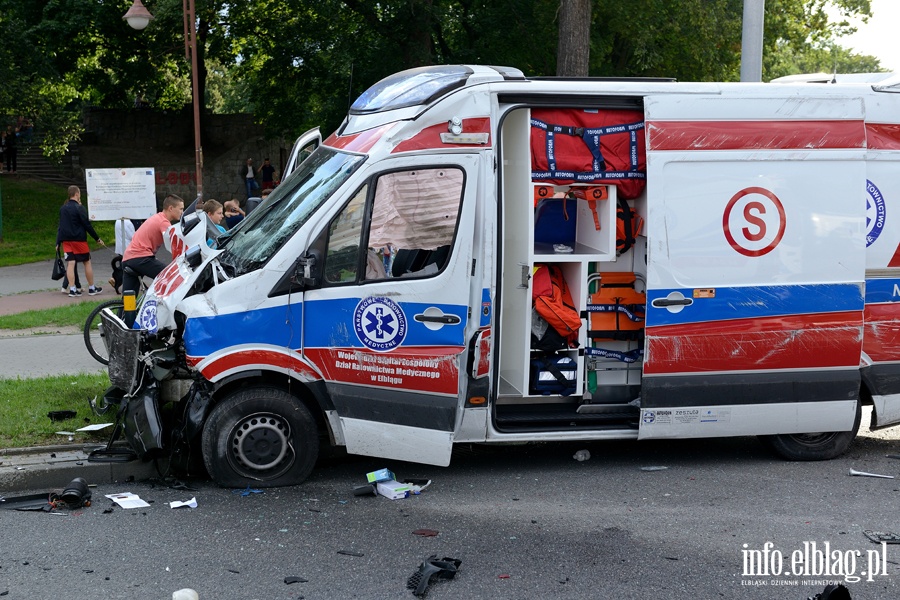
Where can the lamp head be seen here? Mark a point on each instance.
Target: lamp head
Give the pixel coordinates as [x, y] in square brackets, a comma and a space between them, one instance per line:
[138, 16]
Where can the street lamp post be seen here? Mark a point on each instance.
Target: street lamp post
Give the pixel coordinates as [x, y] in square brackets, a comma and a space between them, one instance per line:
[138, 17]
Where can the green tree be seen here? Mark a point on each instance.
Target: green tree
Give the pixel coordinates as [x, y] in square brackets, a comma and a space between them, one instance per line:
[299, 63]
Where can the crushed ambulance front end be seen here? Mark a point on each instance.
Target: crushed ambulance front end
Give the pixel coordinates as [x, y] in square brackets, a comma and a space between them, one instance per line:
[217, 300]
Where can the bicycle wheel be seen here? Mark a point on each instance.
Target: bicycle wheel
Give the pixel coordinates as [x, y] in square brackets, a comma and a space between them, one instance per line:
[93, 330]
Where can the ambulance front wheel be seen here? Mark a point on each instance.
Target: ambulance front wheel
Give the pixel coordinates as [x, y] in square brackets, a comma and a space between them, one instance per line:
[813, 446]
[261, 437]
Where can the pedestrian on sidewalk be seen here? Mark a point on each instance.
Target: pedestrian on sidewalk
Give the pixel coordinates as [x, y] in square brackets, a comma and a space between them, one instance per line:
[124, 233]
[11, 152]
[74, 226]
[2, 149]
[140, 256]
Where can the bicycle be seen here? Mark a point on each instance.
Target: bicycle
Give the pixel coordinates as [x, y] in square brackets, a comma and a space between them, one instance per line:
[94, 338]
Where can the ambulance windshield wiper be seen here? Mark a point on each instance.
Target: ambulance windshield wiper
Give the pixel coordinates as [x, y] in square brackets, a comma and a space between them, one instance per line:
[226, 237]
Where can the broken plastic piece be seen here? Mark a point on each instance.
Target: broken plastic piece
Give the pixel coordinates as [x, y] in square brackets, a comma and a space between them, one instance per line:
[364, 490]
[888, 537]
[290, 580]
[61, 415]
[425, 532]
[77, 493]
[444, 568]
[247, 491]
[864, 474]
[39, 502]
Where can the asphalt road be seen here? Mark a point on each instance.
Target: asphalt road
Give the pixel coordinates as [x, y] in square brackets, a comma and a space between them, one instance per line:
[526, 522]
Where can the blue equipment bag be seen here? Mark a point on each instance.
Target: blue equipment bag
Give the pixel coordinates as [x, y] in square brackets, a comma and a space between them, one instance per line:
[553, 375]
[555, 221]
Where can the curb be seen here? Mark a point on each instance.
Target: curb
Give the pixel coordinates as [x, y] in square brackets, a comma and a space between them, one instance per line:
[53, 467]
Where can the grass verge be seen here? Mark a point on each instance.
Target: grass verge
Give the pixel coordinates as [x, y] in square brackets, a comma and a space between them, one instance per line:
[24, 404]
[30, 220]
[62, 316]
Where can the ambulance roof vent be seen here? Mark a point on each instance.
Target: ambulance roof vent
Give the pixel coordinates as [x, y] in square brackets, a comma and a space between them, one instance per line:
[410, 88]
[423, 85]
[891, 84]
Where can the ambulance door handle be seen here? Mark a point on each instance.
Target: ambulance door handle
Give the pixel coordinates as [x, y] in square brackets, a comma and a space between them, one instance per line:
[664, 302]
[445, 319]
[674, 302]
[434, 318]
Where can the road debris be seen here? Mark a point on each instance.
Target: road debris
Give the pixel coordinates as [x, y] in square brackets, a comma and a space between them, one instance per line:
[432, 567]
[854, 473]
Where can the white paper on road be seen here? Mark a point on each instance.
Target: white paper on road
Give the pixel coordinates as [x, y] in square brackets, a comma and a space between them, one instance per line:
[192, 503]
[94, 427]
[127, 500]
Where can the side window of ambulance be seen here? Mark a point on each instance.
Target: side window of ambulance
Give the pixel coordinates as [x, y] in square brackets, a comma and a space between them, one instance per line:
[414, 217]
[344, 240]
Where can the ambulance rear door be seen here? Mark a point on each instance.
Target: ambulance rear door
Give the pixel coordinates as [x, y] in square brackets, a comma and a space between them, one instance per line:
[756, 264]
[881, 343]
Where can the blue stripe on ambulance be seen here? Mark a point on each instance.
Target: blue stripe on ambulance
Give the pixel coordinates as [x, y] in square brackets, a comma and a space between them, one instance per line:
[323, 317]
[882, 290]
[752, 302]
[205, 335]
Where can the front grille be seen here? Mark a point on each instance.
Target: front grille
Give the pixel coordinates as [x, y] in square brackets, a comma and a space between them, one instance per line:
[124, 348]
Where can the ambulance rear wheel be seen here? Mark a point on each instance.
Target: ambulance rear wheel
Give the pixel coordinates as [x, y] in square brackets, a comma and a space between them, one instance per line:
[261, 437]
[814, 446]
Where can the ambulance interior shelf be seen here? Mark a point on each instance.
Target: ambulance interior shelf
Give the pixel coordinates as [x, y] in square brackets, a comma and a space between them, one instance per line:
[574, 222]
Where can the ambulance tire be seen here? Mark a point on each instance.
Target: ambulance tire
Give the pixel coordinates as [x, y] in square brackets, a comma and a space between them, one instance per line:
[814, 446]
[261, 437]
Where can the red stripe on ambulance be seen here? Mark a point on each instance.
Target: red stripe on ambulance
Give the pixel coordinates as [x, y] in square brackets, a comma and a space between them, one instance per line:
[755, 135]
[812, 341]
[430, 137]
[883, 136]
[254, 357]
[882, 338]
[427, 369]
[357, 142]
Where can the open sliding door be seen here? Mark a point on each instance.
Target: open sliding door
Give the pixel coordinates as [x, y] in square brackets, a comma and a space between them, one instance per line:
[756, 268]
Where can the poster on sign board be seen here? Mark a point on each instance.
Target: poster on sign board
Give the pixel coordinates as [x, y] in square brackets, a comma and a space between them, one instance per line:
[121, 193]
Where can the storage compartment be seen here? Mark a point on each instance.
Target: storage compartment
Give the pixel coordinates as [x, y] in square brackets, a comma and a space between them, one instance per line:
[572, 227]
[580, 218]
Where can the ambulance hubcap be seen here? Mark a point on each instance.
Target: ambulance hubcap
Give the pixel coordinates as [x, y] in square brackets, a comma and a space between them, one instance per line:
[260, 444]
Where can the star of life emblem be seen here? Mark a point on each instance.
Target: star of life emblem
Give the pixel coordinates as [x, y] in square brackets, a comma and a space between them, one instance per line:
[379, 323]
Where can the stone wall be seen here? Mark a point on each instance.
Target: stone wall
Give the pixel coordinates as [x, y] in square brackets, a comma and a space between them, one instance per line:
[165, 141]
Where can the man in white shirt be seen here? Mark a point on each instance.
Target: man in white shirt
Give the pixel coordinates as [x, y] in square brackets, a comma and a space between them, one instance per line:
[247, 173]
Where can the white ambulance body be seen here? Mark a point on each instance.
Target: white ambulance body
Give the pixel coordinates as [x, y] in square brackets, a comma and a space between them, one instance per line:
[382, 298]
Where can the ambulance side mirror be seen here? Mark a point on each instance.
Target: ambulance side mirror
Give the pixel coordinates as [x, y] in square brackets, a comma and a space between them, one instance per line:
[305, 271]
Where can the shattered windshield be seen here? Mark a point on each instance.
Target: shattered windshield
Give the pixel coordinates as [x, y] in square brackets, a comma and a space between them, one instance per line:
[276, 220]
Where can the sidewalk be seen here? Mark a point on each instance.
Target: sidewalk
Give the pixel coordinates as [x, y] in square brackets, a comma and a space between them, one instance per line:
[52, 352]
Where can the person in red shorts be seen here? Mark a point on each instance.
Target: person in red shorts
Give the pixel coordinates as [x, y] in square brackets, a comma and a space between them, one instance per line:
[74, 226]
[140, 255]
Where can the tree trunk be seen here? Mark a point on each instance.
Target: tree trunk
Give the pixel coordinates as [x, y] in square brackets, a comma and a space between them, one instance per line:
[573, 51]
